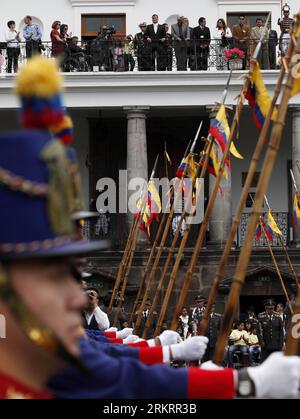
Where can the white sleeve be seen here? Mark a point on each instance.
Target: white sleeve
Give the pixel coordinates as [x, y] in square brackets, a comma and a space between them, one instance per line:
[101, 318]
[9, 36]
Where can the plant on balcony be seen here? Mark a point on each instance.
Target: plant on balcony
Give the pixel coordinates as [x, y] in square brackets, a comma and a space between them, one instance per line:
[234, 53]
[235, 58]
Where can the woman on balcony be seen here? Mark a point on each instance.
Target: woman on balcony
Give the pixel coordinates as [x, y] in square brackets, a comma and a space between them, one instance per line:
[223, 38]
[58, 42]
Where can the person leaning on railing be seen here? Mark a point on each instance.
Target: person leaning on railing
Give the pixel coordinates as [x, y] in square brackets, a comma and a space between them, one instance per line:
[241, 37]
[201, 40]
[33, 37]
[261, 32]
[223, 37]
[12, 37]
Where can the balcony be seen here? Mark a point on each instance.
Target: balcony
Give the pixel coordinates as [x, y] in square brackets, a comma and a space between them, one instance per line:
[160, 89]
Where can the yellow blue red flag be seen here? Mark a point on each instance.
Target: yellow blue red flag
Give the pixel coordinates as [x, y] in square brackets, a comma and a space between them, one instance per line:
[272, 224]
[220, 131]
[259, 98]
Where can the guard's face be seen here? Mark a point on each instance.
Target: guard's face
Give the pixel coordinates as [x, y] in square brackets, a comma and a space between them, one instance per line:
[53, 296]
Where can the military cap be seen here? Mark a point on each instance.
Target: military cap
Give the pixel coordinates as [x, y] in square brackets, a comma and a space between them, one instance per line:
[142, 24]
[269, 302]
[200, 298]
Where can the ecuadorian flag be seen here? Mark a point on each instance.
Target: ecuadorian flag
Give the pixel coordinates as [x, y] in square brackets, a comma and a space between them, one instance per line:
[272, 224]
[214, 164]
[220, 131]
[259, 98]
[181, 168]
[296, 211]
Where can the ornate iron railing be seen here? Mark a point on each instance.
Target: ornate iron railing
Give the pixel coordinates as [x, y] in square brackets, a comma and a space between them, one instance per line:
[111, 56]
[282, 220]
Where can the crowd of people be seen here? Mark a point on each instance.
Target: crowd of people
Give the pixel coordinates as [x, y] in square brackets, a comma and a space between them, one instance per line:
[156, 47]
[252, 339]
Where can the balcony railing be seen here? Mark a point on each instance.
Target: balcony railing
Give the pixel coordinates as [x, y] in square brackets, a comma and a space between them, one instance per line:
[110, 56]
[282, 220]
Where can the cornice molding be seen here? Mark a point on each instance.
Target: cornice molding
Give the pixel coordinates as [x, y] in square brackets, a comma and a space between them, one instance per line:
[102, 3]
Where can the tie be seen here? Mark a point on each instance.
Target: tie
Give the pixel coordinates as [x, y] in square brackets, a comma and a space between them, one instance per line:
[180, 31]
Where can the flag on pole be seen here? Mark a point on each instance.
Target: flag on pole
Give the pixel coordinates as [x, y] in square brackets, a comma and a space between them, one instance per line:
[214, 163]
[272, 224]
[259, 98]
[148, 207]
[220, 131]
[296, 73]
[181, 168]
[296, 210]
[258, 231]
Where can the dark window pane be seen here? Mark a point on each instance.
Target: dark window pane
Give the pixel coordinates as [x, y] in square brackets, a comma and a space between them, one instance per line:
[115, 21]
[92, 23]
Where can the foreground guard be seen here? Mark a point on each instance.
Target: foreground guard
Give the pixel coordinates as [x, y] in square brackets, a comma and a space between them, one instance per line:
[41, 300]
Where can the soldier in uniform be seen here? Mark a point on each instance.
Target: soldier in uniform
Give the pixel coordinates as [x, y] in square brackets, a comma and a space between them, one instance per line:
[285, 26]
[197, 313]
[271, 329]
[142, 49]
[212, 332]
[168, 49]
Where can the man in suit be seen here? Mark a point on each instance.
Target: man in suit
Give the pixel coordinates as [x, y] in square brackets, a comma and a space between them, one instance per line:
[181, 35]
[261, 32]
[273, 41]
[241, 37]
[190, 51]
[156, 36]
[201, 41]
[271, 330]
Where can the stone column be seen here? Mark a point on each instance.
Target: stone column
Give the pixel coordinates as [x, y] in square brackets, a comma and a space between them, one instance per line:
[137, 159]
[221, 217]
[296, 159]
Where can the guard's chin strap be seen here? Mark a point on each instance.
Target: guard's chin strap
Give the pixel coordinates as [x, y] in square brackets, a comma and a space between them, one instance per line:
[33, 328]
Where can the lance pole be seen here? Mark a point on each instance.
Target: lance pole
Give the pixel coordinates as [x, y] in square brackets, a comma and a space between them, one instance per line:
[238, 214]
[163, 240]
[205, 159]
[203, 228]
[264, 179]
[126, 254]
[284, 248]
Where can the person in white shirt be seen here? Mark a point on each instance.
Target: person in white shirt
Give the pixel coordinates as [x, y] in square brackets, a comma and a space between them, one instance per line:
[12, 37]
[95, 318]
[185, 321]
[223, 37]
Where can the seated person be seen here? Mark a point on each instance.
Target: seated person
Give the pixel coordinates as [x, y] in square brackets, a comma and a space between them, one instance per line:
[254, 344]
[238, 340]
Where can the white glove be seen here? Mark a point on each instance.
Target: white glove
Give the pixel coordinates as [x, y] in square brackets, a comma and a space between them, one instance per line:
[190, 350]
[111, 329]
[210, 366]
[168, 337]
[131, 339]
[277, 377]
[122, 334]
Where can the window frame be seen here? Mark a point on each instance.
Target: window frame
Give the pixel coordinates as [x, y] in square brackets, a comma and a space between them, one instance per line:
[85, 34]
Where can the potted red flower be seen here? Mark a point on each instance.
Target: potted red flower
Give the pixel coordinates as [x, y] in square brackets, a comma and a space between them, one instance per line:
[235, 58]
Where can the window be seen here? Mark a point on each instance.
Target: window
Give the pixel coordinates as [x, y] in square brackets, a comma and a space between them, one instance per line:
[91, 24]
[250, 18]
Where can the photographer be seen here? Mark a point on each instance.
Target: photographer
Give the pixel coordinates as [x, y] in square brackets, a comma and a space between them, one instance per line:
[102, 46]
[94, 317]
